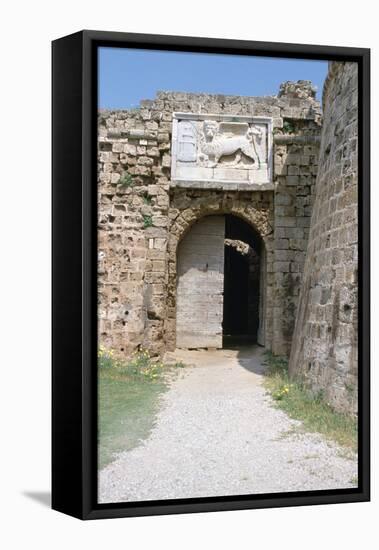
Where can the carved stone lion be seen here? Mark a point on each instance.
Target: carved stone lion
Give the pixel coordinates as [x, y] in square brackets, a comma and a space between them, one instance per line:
[216, 145]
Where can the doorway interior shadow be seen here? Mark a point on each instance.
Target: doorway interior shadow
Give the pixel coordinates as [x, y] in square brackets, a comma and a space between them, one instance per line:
[243, 311]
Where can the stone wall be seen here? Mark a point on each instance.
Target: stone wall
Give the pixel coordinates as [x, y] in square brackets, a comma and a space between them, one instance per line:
[296, 162]
[143, 215]
[324, 350]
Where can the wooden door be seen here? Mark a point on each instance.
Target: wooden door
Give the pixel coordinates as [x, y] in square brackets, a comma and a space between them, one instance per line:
[200, 285]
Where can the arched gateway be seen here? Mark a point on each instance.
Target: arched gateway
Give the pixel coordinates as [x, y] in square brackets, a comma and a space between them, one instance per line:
[235, 238]
[220, 284]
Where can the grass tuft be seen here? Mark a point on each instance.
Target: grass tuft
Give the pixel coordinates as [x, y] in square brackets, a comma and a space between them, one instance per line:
[300, 404]
[147, 199]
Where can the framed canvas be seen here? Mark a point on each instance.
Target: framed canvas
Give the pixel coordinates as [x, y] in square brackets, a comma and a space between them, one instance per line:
[210, 275]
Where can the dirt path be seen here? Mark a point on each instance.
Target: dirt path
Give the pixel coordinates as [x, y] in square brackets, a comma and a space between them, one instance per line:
[218, 434]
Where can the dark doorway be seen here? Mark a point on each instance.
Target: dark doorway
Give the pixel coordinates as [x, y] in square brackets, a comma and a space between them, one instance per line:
[243, 247]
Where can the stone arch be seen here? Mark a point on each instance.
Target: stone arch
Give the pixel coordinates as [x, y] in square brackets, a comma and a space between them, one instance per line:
[260, 219]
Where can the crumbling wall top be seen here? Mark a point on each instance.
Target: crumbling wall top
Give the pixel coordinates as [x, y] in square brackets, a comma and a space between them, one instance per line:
[301, 89]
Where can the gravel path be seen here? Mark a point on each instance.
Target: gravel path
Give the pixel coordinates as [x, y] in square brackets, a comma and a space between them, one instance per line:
[218, 433]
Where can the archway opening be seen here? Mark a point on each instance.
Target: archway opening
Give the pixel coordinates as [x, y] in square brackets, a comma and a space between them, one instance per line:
[243, 272]
[220, 287]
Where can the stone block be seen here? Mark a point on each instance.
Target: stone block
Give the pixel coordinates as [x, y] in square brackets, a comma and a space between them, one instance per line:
[159, 265]
[303, 221]
[293, 170]
[160, 221]
[166, 161]
[163, 137]
[283, 256]
[160, 244]
[145, 161]
[285, 221]
[130, 149]
[152, 190]
[292, 180]
[288, 211]
[283, 199]
[152, 152]
[281, 244]
[141, 170]
[115, 177]
[118, 147]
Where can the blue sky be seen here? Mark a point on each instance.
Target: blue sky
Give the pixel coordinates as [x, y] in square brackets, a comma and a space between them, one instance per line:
[126, 75]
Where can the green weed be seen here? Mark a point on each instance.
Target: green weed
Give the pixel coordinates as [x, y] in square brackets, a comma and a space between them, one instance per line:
[147, 221]
[299, 403]
[126, 180]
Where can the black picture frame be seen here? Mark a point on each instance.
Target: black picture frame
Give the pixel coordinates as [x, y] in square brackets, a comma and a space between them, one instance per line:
[74, 333]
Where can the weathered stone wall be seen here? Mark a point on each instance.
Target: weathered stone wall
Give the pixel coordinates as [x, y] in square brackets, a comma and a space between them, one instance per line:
[133, 214]
[324, 350]
[142, 215]
[296, 159]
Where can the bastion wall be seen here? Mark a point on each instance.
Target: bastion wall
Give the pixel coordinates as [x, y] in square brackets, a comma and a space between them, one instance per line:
[324, 350]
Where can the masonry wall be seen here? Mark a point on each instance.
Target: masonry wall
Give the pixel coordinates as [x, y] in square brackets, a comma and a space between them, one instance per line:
[296, 163]
[142, 216]
[324, 350]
